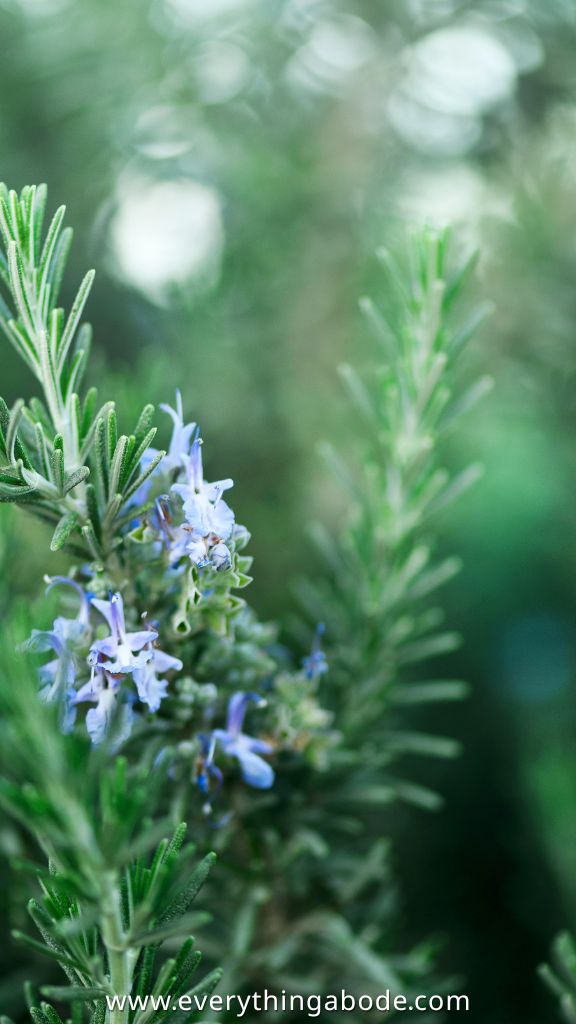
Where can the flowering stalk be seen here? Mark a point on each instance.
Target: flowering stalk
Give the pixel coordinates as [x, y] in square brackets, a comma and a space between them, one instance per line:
[154, 653]
[162, 694]
[376, 599]
[387, 624]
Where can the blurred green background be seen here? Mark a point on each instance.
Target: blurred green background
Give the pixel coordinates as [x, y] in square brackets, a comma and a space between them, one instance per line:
[231, 167]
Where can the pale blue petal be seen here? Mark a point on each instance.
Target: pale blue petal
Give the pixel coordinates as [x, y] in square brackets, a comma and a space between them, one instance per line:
[255, 771]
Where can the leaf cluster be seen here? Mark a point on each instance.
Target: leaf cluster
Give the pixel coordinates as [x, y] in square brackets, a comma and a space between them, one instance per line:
[63, 456]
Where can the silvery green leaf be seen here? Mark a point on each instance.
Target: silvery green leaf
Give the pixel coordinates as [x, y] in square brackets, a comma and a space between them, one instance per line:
[37, 210]
[12, 429]
[138, 452]
[467, 401]
[39, 483]
[19, 289]
[59, 263]
[360, 394]
[76, 477]
[92, 427]
[116, 466]
[420, 796]
[464, 480]
[73, 994]
[49, 248]
[74, 318]
[57, 469]
[421, 743]
[431, 692]
[429, 581]
[430, 647]
[92, 542]
[144, 475]
[144, 423]
[67, 524]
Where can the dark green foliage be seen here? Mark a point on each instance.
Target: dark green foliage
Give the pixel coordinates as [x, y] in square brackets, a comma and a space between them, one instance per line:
[322, 863]
[113, 890]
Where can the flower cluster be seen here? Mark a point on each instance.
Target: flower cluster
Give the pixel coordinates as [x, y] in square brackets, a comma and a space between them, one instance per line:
[120, 665]
[208, 522]
[109, 661]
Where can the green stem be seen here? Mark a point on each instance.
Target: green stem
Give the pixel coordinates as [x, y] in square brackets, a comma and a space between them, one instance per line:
[120, 957]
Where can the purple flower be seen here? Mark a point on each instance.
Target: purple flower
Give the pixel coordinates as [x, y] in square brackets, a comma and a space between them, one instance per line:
[66, 639]
[103, 691]
[315, 663]
[83, 617]
[182, 434]
[209, 519]
[173, 538]
[58, 675]
[246, 749]
[177, 451]
[121, 652]
[206, 771]
[151, 689]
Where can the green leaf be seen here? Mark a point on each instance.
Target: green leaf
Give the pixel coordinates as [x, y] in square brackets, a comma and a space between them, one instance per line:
[464, 480]
[143, 476]
[429, 647]
[57, 469]
[19, 290]
[174, 929]
[49, 249]
[93, 543]
[59, 260]
[69, 994]
[38, 1016]
[116, 466]
[56, 324]
[100, 457]
[111, 433]
[79, 360]
[381, 329]
[50, 1013]
[75, 478]
[339, 468]
[418, 795]
[53, 952]
[205, 987]
[74, 318]
[360, 395]
[12, 429]
[88, 410]
[422, 743]
[431, 692]
[185, 897]
[144, 423]
[37, 211]
[430, 580]
[128, 464]
[144, 981]
[92, 508]
[67, 524]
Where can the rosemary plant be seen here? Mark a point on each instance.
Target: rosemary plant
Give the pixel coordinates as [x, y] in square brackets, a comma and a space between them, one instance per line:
[157, 653]
[321, 895]
[135, 716]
